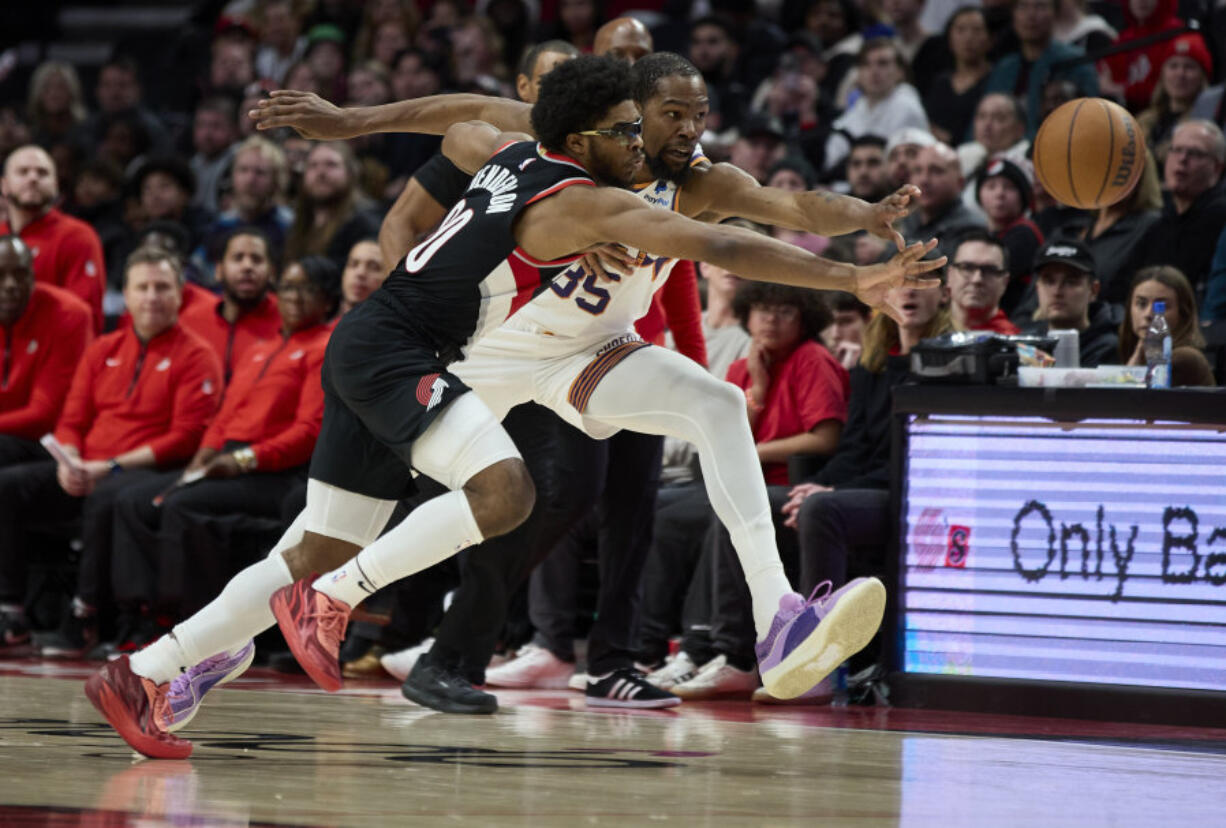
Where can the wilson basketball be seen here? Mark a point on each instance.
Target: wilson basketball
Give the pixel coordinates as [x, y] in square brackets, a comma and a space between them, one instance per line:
[1089, 153]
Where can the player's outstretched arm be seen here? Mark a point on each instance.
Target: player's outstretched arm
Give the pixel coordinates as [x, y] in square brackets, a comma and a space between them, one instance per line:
[724, 191]
[469, 145]
[611, 215]
[313, 117]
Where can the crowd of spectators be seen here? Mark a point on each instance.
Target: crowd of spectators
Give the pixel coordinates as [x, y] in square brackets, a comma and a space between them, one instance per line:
[169, 275]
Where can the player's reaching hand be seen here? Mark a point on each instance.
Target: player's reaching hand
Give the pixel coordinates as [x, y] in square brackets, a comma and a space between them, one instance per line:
[892, 208]
[608, 262]
[308, 114]
[873, 283]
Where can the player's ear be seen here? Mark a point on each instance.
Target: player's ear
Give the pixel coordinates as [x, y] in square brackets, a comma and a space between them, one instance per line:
[576, 145]
[523, 86]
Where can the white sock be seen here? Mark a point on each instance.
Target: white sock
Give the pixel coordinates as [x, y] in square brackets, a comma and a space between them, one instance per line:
[754, 543]
[432, 532]
[239, 613]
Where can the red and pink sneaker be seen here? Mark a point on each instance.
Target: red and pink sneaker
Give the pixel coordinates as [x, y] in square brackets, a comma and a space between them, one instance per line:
[313, 625]
[135, 707]
[809, 639]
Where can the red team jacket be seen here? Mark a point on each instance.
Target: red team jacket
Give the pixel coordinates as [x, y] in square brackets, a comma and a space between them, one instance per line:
[275, 402]
[127, 394]
[41, 352]
[676, 307]
[67, 253]
[230, 342]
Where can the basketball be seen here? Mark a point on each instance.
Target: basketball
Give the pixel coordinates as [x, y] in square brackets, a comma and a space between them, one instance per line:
[1089, 153]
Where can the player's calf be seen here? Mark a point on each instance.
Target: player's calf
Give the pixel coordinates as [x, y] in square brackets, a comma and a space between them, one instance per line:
[501, 496]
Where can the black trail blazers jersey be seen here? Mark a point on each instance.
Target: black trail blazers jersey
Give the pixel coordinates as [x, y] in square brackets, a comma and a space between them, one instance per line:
[469, 275]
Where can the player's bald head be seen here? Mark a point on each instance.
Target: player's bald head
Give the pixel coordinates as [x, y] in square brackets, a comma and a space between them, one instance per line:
[625, 38]
[13, 249]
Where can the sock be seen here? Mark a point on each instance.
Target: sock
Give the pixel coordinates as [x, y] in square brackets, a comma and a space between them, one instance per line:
[755, 547]
[240, 612]
[432, 532]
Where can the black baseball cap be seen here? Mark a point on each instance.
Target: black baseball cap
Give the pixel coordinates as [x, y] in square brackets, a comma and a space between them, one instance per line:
[1071, 252]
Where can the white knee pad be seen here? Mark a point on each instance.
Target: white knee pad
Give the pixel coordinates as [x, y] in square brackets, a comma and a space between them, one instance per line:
[338, 513]
[465, 439]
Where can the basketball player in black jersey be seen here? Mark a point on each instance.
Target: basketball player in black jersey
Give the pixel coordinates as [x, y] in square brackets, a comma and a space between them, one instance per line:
[392, 405]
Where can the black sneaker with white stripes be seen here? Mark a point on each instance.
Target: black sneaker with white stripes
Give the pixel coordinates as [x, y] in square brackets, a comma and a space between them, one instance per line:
[627, 687]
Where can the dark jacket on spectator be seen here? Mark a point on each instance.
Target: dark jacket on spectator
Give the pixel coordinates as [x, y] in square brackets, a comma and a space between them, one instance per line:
[862, 459]
[956, 219]
[1117, 251]
[1187, 241]
[1005, 76]
[1099, 343]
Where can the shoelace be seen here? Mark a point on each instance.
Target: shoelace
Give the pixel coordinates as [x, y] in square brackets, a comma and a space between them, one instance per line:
[332, 621]
[180, 683]
[163, 716]
[825, 588]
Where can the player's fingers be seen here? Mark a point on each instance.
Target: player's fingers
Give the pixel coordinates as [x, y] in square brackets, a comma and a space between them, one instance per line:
[898, 239]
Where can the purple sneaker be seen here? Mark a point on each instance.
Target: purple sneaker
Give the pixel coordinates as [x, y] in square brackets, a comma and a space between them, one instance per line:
[187, 689]
[809, 639]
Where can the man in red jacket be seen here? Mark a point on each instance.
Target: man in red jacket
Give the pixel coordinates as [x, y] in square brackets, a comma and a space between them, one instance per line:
[177, 543]
[140, 398]
[66, 250]
[247, 312]
[43, 332]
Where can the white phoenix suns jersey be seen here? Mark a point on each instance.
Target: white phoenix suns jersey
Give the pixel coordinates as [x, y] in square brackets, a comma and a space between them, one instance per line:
[579, 304]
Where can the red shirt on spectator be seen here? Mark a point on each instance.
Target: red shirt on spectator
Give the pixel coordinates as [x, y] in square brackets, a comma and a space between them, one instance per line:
[807, 388]
[127, 394]
[1138, 70]
[231, 341]
[275, 402]
[41, 352]
[999, 323]
[676, 307]
[67, 253]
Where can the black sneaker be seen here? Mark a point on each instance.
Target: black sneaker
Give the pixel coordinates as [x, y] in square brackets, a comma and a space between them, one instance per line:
[627, 687]
[77, 635]
[437, 687]
[14, 632]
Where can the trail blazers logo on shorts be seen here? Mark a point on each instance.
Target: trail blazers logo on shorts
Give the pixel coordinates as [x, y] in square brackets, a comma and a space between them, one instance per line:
[430, 390]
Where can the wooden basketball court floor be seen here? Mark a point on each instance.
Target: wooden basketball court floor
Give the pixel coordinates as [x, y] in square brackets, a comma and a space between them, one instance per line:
[273, 750]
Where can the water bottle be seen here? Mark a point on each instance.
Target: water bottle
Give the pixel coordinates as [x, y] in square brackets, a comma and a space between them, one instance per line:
[1158, 349]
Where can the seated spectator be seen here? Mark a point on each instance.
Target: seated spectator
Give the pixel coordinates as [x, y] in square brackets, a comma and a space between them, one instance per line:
[173, 556]
[714, 50]
[1114, 234]
[213, 133]
[1088, 32]
[1194, 209]
[624, 37]
[904, 17]
[954, 95]
[844, 336]
[44, 329]
[330, 215]
[941, 213]
[363, 274]
[999, 131]
[759, 146]
[259, 176]
[246, 312]
[978, 276]
[1005, 191]
[118, 93]
[887, 103]
[95, 200]
[231, 61]
[1067, 290]
[400, 16]
[140, 398]
[1165, 284]
[1184, 75]
[867, 175]
[1131, 72]
[1024, 73]
[164, 187]
[279, 23]
[67, 252]
[55, 105]
[901, 151]
[842, 514]
[172, 238]
[796, 401]
[325, 54]
[836, 25]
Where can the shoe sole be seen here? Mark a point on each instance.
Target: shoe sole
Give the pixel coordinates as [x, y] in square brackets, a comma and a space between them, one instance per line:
[229, 677]
[848, 628]
[641, 704]
[289, 631]
[445, 705]
[107, 702]
[547, 684]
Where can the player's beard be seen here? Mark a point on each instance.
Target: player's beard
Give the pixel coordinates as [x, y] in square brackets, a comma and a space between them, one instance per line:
[660, 170]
